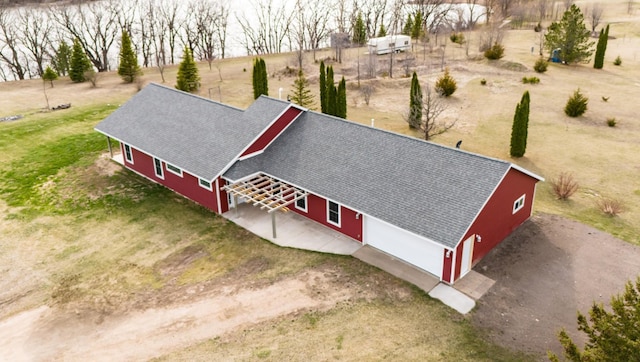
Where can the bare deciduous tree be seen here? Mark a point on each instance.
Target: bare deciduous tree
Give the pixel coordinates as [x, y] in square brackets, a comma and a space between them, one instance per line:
[271, 27]
[170, 14]
[432, 108]
[221, 26]
[543, 9]
[367, 90]
[10, 48]
[594, 16]
[35, 36]
[317, 15]
[204, 20]
[95, 29]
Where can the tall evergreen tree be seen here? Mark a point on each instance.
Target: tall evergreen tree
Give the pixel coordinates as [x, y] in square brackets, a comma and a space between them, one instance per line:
[323, 88]
[341, 101]
[331, 93]
[519, 130]
[601, 48]
[571, 36]
[417, 25]
[79, 63]
[382, 32]
[301, 92]
[260, 81]
[188, 79]
[62, 59]
[128, 68]
[408, 26]
[359, 31]
[415, 103]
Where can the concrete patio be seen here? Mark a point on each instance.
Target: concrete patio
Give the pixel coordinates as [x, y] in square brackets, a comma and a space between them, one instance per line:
[292, 230]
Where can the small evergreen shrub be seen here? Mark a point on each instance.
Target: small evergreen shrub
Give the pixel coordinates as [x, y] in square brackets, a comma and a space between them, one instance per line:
[483, 81]
[538, 28]
[530, 80]
[618, 61]
[611, 122]
[576, 105]
[457, 38]
[564, 186]
[495, 52]
[541, 65]
[446, 85]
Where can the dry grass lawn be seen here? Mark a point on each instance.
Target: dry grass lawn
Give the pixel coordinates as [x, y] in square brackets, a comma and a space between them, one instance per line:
[94, 246]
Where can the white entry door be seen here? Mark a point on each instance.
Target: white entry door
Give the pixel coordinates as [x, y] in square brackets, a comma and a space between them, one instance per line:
[467, 252]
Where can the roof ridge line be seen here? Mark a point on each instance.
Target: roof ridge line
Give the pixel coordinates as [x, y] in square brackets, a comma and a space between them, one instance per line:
[195, 96]
[414, 139]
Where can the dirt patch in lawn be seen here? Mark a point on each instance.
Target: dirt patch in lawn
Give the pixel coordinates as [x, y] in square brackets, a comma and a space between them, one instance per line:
[546, 271]
[51, 333]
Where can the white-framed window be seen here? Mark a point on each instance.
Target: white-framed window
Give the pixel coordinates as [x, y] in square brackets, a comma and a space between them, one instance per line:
[205, 184]
[301, 203]
[333, 213]
[518, 204]
[157, 166]
[128, 155]
[173, 169]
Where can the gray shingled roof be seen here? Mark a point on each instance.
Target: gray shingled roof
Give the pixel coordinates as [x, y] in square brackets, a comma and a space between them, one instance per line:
[198, 135]
[428, 189]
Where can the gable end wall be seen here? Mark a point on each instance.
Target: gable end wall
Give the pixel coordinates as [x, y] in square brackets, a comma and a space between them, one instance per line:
[273, 131]
[496, 220]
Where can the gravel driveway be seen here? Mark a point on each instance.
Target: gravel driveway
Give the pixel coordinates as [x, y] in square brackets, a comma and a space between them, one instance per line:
[546, 271]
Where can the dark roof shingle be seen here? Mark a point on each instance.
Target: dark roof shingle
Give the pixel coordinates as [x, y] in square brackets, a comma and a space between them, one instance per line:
[428, 189]
[196, 134]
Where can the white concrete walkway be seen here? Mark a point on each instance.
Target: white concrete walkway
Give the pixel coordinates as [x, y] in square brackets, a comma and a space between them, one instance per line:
[292, 230]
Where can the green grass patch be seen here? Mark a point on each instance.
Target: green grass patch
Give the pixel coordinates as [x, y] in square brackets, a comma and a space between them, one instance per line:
[20, 137]
[25, 175]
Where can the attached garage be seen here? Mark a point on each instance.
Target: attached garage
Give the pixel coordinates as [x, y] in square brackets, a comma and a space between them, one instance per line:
[403, 245]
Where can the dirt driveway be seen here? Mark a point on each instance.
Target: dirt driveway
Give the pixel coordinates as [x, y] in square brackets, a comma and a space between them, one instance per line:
[546, 271]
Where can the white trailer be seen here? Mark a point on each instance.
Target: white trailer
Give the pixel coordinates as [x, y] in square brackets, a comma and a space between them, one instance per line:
[388, 44]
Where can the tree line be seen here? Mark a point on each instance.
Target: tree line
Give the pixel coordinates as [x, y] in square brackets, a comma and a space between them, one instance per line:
[33, 37]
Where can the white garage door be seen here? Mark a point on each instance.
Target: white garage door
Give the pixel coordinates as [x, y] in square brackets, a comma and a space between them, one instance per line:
[404, 245]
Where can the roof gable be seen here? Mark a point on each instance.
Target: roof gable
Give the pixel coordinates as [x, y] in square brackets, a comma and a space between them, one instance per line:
[196, 134]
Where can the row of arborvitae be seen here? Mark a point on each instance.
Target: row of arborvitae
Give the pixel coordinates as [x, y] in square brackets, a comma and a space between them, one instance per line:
[259, 78]
[333, 100]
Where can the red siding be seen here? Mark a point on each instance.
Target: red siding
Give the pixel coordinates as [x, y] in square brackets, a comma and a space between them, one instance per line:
[496, 221]
[272, 132]
[350, 224]
[224, 199]
[446, 266]
[187, 185]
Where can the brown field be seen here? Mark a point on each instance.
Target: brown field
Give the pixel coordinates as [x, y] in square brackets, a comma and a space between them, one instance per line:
[99, 270]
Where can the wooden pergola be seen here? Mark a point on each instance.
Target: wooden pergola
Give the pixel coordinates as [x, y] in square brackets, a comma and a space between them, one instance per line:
[266, 192]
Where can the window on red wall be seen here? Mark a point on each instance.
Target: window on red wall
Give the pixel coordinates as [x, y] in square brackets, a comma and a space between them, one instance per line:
[127, 154]
[518, 204]
[301, 203]
[333, 213]
[158, 168]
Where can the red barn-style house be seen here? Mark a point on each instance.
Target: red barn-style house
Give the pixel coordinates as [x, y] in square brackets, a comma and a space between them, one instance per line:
[438, 208]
